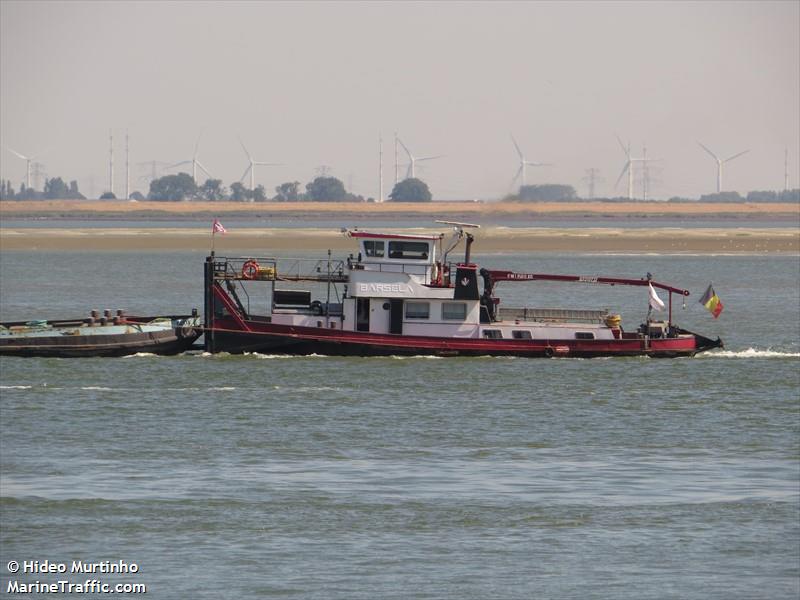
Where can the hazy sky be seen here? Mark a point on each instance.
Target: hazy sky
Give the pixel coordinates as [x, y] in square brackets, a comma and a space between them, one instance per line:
[314, 83]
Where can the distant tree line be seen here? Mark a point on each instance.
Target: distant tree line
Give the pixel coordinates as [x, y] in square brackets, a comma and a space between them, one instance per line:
[181, 187]
[548, 192]
[566, 193]
[54, 189]
[755, 196]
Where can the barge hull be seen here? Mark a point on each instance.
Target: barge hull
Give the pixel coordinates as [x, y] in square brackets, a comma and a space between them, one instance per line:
[75, 339]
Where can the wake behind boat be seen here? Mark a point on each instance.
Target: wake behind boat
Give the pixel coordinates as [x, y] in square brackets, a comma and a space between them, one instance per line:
[401, 295]
[120, 335]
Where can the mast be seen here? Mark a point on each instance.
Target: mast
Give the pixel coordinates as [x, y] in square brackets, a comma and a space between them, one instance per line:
[127, 168]
[380, 168]
[395, 158]
[786, 170]
[111, 161]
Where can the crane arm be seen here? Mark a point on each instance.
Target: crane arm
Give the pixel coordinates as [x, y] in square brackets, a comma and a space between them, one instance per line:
[502, 275]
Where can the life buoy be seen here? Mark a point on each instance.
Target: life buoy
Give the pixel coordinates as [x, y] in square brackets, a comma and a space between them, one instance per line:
[250, 269]
[548, 352]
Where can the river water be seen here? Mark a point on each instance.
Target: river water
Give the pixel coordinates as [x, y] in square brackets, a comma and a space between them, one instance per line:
[322, 477]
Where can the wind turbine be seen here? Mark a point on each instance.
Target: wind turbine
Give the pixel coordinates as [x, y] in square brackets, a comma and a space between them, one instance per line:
[28, 160]
[412, 160]
[524, 163]
[252, 167]
[194, 162]
[721, 162]
[628, 168]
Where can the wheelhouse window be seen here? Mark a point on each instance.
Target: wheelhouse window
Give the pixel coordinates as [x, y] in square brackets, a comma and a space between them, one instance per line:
[418, 310]
[521, 334]
[409, 250]
[584, 335]
[455, 311]
[492, 334]
[373, 248]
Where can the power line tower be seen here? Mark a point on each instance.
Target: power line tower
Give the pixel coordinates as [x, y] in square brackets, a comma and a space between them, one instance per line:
[592, 179]
[39, 173]
[649, 175]
[786, 170]
[111, 161]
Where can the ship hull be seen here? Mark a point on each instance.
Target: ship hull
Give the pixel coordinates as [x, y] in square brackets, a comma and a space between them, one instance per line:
[283, 339]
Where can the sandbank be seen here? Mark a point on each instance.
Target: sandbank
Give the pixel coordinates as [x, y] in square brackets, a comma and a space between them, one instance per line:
[488, 239]
[481, 210]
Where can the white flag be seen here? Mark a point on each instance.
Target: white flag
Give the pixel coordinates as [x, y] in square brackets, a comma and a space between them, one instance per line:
[216, 227]
[655, 301]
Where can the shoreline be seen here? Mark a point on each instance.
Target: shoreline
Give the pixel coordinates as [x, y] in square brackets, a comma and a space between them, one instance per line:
[95, 209]
[488, 239]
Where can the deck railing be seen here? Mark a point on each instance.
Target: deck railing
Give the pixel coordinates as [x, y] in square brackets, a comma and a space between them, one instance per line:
[552, 315]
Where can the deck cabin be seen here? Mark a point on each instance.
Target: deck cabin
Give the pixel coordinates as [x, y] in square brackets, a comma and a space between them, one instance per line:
[402, 284]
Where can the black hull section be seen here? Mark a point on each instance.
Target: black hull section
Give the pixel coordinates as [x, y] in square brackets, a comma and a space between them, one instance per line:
[164, 347]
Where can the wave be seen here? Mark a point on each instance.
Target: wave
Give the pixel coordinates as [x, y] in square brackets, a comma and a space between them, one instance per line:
[141, 355]
[15, 387]
[750, 353]
[260, 356]
[98, 388]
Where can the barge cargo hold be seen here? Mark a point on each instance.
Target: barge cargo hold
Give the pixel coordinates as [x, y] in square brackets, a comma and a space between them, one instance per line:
[120, 335]
[400, 295]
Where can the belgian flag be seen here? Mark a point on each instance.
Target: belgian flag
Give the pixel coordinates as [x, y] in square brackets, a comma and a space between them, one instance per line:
[712, 302]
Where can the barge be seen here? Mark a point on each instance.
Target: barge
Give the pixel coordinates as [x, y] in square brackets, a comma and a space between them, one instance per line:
[100, 336]
[400, 294]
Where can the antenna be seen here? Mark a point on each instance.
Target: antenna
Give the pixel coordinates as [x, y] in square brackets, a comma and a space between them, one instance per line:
[395, 158]
[458, 234]
[127, 168]
[458, 224]
[380, 168]
[111, 161]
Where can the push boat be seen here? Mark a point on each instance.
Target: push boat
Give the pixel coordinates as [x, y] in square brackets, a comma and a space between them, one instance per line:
[400, 295]
[107, 335]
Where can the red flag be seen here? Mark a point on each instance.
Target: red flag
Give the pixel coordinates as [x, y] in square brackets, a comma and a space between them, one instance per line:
[217, 227]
